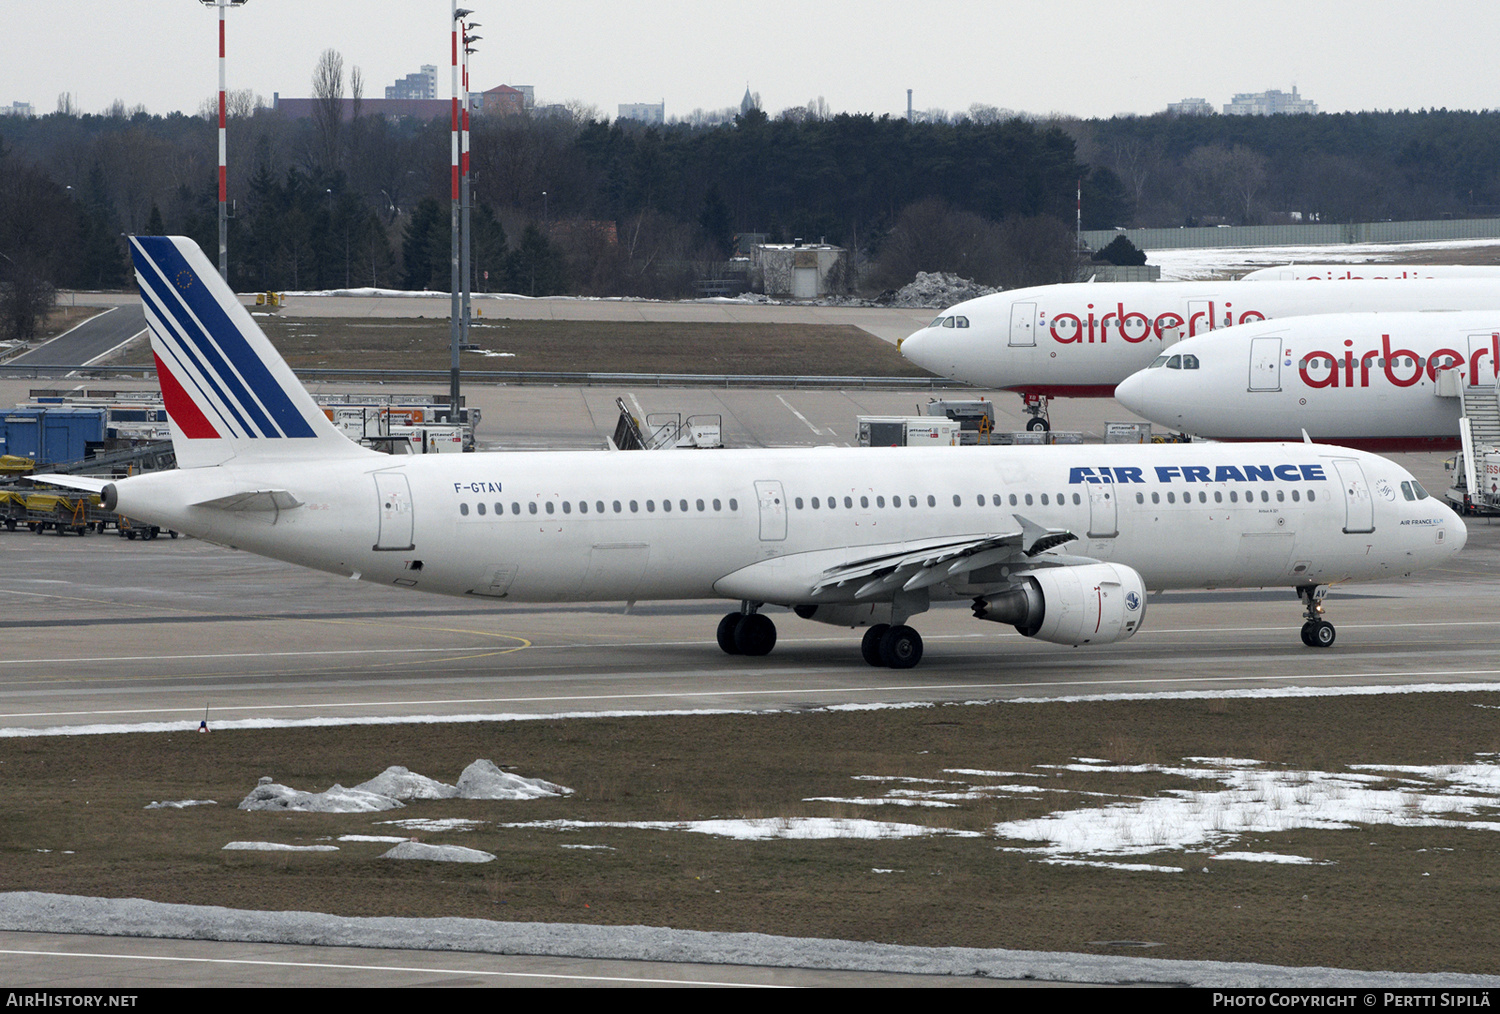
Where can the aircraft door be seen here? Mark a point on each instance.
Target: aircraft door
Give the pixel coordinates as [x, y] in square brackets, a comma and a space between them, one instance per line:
[396, 518]
[772, 500]
[1359, 508]
[1103, 511]
[1200, 317]
[1023, 323]
[1484, 355]
[1265, 364]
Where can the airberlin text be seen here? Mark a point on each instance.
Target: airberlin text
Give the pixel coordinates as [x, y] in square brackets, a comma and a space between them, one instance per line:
[1202, 473]
[1134, 327]
[1401, 367]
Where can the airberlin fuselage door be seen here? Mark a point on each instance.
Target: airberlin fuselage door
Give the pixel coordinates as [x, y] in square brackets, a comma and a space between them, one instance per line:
[1265, 364]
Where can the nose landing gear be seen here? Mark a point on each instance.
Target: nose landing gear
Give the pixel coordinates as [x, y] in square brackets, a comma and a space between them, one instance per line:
[1036, 407]
[1316, 632]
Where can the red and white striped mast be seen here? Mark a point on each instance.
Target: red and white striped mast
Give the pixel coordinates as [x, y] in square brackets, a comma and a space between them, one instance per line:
[223, 143]
[454, 308]
[465, 266]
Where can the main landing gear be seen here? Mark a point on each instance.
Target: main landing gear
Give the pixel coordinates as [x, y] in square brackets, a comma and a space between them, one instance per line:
[748, 632]
[1036, 407]
[892, 646]
[1316, 632]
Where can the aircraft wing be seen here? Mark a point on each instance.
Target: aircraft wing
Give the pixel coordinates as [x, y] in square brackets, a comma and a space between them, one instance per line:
[921, 565]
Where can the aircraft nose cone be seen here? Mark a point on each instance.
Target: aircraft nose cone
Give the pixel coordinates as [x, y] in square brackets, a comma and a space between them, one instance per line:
[1460, 534]
[1132, 393]
[910, 347]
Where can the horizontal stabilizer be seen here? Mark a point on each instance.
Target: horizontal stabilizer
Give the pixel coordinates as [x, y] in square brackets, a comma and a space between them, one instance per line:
[254, 500]
[86, 483]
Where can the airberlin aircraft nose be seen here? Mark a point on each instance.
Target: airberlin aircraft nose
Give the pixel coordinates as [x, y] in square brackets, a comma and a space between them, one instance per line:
[1132, 393]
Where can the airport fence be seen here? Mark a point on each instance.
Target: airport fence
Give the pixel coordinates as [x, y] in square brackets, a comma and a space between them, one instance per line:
[1312, 234]
[550, 379]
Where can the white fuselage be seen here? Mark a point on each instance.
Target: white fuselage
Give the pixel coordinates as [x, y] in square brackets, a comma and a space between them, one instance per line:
[1081, 340]
[1370, 379]
[1372, 272]
[758, 525]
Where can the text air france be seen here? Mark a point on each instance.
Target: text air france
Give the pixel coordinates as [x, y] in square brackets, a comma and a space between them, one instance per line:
[1201, 473]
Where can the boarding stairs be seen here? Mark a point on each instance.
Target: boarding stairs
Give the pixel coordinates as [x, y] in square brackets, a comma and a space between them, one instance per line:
[1479, 436]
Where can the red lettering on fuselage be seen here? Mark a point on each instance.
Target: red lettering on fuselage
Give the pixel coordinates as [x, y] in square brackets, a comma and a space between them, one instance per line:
[1134, 327]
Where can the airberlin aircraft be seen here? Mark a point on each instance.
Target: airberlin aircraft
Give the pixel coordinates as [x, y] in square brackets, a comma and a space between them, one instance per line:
[1081, 340]
[1367, 380]
[1371, 272]
[1062, 542]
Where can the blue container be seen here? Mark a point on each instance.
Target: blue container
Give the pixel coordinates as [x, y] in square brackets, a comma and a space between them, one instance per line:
[51, 435]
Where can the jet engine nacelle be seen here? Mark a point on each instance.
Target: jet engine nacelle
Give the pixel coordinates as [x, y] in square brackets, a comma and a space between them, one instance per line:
[1097, 603]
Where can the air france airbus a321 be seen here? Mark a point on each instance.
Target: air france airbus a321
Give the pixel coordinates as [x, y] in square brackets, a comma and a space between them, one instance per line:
[1081, 340]
[1370, 380]
[1061, 542]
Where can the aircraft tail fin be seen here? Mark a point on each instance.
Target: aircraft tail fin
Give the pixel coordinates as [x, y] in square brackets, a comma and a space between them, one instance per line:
[228, 392]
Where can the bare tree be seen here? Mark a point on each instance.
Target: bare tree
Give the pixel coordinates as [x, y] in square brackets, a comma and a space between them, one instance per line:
[328, 110]
[357, 90]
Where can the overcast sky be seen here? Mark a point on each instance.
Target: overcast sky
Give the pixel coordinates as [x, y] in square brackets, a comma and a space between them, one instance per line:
[1082, 57]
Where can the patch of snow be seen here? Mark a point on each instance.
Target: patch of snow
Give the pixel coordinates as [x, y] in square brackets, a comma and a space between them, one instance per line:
[854, 801]
[438, 853]
[179, 804]
[1129, 867]
[268, 795]
[388, 839]
[436, 825]
[271, 846]
[938, 289]
[602, 848]
[1270, 857]
[400, 783]
[799, 828]
[1217, 262]
[484, 780]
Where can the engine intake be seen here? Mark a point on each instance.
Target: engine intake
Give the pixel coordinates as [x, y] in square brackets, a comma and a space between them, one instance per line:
[1097, 603]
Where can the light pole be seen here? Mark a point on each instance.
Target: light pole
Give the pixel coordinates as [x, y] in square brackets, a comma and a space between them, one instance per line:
[465, 254]
[223, 147]
[454, 311]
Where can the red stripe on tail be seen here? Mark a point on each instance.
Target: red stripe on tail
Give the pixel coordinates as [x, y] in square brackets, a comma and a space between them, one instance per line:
[186, 416]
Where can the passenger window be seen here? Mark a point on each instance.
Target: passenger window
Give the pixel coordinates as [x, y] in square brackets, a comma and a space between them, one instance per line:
[634, 507]
[1218, 497]
[650, 506]
[734, 504]
[880, 501]
[931, 500]
[1156, 498]
[683, 505]
[567, 507]
[1296, 497]
[1028, 499]
[980, 499]
[499, 508]
[480, 508]
[463, 509]
[1171, 498]
[797, 502]
[957, 502]
[717, 505]
[515, 508]
[1234, 496]
[1044, 499]
[616, 506]
[550, 508]
[666, 506]
[1265, 497]
[1312, 495]
[814, 503]
[848, 502]
[699, 505]
[895, 501]
[1281, 496]
[1202, 497]
[1012, 499]
[911, 501]
[1076, 500]
[864, 501]
[599, 506]
[1140, 497]
[531, 506]
[583, 506]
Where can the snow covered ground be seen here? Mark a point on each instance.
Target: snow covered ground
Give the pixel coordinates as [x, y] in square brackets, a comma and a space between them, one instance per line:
[1222, 262]
[127, 917]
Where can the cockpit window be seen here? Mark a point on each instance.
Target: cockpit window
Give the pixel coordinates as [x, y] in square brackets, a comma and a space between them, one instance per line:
[961, 321]
[1175, 363]
[1416, 486]
[1189, 362]
[947, 321]
[936, 322]
[1158, 363]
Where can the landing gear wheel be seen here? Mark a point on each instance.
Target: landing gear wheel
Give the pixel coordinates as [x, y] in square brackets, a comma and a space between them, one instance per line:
[727, 626]
[1322, 635]
[870, 646]
[901, 647]
[1038, 425]
[1307, 629]
[755, 635]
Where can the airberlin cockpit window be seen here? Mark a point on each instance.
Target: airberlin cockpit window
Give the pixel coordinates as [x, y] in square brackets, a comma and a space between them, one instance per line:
[1189, 362]
[1158, 363]
[936, 322]
[947, 321]
[961, 321]
[1175, 363]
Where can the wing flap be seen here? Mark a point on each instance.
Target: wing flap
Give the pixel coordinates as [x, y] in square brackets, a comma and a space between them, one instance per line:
[253, 500]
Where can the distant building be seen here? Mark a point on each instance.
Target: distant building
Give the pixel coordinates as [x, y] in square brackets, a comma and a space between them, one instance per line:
[646, 112]
[391, 109]
[1269, 103]
[422, 85]
[749, 102]
[1191, 107]
[799, 270]
[502, 100]
[18, 109]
